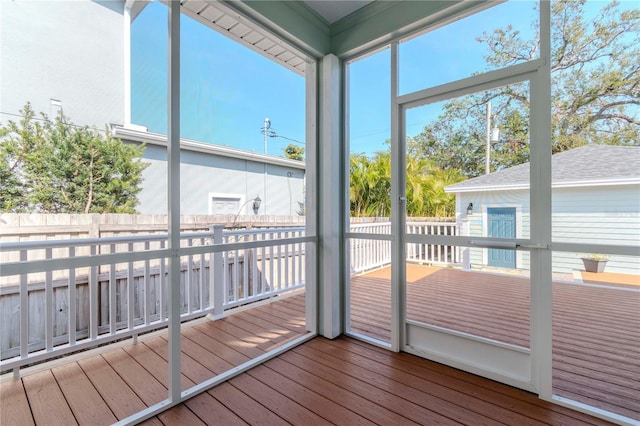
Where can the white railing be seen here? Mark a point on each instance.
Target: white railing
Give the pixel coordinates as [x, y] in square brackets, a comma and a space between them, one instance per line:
[367, 254]
[124, 293]
[61, 296]
[433, 253]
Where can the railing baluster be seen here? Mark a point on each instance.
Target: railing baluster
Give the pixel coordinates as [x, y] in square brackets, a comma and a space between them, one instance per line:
[286, 262]
[48, 304]
[293, 263]
[254, 271]
[271, 266]
[147, 284]
[24, 310]
[201, 279]
[279, 249]
[130, 293]
[263, 260]
[245, 273]
[234, 278]
[226, 285]
[112, 293]
[163, 284]
[187, 279]
[93, 297]
[72, 302]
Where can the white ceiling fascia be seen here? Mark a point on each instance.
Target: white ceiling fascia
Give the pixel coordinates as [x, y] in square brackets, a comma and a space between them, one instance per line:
[334, 10]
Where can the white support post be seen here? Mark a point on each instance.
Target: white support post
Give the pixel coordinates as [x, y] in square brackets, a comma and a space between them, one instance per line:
[541, 204]
[311, 198]
[329, 223]
[398, 210]
[173, 156]
[216, 274]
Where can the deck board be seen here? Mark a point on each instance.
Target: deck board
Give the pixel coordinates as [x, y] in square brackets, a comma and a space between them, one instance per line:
[14, 406]
[595, 327]
[341, 381]
[46, 400]
[143, 384]
[304, 371]
[282, 406]
[122, 401]
[307, 398]
[389, 380]
[207, 407]
[240, 403]
[487, 390]
[80, 394]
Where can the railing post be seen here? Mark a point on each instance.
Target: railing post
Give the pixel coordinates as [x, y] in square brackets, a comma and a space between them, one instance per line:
[466, 256]
[216, 274]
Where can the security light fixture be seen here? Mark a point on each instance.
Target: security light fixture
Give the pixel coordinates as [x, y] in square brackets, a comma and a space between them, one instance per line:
[470, 209]
[256, 204]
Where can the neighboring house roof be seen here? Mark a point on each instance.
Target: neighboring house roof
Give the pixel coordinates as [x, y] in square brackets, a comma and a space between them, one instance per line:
[135, 135]
[585, 166]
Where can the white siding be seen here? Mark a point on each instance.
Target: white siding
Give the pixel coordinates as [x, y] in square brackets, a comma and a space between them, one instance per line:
[597, 214]
[601, 215]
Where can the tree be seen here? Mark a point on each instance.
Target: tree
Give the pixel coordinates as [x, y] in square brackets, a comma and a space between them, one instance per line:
[370, 186]
[52, 166]
[595, 68]
[294, 152]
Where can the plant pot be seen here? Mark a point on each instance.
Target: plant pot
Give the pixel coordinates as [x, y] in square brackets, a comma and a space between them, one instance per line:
[591, 265]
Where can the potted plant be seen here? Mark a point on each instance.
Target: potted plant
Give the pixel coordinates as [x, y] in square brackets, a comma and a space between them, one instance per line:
[594, 262]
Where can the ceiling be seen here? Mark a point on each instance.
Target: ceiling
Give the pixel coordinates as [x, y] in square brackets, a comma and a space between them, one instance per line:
[334, 10]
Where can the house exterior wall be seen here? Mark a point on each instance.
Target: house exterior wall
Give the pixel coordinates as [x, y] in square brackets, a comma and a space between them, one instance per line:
[64, 50]
[482, 201]
[203, 175]
[597, 215]
[590, 215]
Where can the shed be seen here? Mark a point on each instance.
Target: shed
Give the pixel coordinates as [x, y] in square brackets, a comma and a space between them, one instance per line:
[595, 199]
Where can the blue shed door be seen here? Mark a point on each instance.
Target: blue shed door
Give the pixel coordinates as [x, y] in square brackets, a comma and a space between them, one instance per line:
[502, 224]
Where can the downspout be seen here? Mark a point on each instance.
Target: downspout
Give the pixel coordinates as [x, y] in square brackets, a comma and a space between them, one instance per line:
[127, 61]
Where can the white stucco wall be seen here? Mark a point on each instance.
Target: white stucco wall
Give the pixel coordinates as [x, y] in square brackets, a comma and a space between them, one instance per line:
[66, 50]
[590, 215]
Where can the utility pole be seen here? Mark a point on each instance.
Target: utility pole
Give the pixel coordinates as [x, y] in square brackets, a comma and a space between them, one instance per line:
[487, 162]
[492, 136]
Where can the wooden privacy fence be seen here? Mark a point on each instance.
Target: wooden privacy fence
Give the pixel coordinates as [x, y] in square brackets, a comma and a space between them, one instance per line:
[23, 227]
[44, 317]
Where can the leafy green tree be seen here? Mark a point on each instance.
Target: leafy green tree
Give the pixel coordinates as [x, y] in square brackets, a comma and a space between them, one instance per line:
[595, 68]
[370, 186]
[52, 166]
[294, 152]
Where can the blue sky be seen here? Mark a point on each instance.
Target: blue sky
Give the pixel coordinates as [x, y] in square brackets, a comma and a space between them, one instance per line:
[228, 90]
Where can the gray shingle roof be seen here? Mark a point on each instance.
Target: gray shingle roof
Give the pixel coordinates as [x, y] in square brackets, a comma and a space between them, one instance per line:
[590, 164]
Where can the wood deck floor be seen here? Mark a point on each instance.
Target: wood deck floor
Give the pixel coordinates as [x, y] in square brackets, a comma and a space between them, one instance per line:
[105, 385]
[596, 328]
[343, 381]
